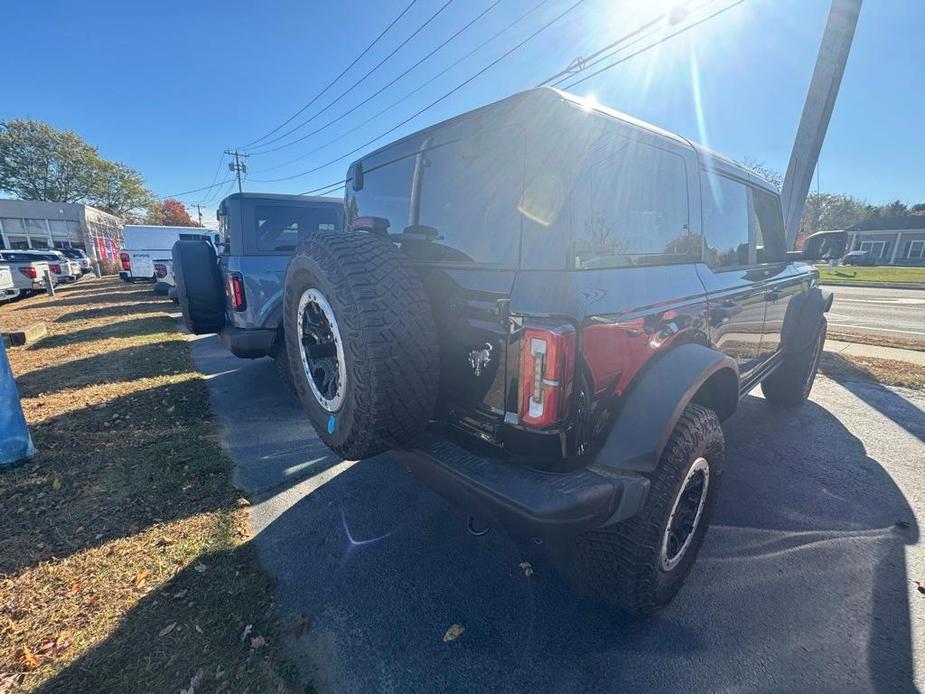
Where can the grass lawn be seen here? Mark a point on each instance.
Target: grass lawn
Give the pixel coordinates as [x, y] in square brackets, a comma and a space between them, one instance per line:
[124, 557]
[842, 367]
[851, 274]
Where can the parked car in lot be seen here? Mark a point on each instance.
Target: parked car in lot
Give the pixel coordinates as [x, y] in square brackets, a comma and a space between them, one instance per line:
[143, 243]
[865, 258]
[27, 271]
[8, 290]
[80, 257]
[544, 309]
[62, 269]
[239, 293]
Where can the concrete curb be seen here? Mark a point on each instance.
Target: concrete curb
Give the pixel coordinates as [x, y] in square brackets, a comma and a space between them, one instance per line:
[874, 285]
[857, 349]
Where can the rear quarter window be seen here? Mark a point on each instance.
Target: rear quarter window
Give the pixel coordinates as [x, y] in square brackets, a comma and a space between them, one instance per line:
[279, 229]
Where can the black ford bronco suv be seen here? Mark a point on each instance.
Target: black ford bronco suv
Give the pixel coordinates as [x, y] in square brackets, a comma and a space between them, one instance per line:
[545, 309]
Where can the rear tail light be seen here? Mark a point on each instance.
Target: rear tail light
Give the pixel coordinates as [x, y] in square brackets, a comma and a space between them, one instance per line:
[55, 268]
[234, 290]
[126, 263]
[547, 365]
[29, 272]
[160, 271]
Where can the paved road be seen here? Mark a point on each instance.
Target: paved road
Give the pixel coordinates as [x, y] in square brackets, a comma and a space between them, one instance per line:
[897, 313]
[803, 584]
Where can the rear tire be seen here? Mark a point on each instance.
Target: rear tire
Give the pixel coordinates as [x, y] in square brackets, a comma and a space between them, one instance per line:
[790, 384]
[361, 342]
[199, 286]
[640, 564]
[282, 367]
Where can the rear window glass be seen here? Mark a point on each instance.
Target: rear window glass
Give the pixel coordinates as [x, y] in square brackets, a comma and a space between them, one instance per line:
[281, 228]
[459, 200]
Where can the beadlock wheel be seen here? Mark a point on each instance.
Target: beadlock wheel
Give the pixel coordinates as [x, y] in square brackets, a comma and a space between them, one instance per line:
[685, 514]
[321, 350]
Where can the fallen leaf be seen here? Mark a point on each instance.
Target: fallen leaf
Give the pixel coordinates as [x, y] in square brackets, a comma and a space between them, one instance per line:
[526, 567]
[26, 657]
[194, 682]
[258, 642]
[454, 632]
[73, 588]
[247, 630]
[301, 624]
[167, 629]
[140, 577]
[921, 586]
[56, 483]
[200, 568]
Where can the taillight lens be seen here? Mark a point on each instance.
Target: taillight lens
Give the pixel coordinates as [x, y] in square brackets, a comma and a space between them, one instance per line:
[547, 364]
[29, 272]
[55, 268]
[126, 263]
[160, 271]
[234, 290]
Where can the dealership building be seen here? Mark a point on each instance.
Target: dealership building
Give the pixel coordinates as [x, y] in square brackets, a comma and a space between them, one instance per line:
[891, 240]
[39, 224]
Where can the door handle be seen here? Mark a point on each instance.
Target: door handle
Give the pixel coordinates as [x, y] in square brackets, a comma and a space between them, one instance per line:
[773, 295]
[725, 311]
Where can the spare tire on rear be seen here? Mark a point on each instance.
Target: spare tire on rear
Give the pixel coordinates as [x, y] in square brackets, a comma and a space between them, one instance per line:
[199, 286]
[361, 342]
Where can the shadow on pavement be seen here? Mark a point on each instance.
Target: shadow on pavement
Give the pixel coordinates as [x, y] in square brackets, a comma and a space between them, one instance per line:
[801, 584]
[864, 385]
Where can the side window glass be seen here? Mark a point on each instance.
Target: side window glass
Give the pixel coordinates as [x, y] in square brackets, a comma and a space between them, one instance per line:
[770, 244]
[631, 208]
[279, 229]
[726, 222]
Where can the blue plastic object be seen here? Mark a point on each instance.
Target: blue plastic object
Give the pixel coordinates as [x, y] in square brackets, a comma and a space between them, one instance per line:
[15, 441]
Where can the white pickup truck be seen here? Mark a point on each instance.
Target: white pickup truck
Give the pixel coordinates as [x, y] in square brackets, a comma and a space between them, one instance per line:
[8, 290]
[142, 245]
[27, 271]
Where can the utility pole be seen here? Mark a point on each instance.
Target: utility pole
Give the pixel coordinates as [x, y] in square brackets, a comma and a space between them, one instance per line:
[817, 111]
[237, 166]
[199, 211]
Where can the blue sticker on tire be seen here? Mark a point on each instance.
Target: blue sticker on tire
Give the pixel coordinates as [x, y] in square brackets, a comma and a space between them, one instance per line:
[331, 424]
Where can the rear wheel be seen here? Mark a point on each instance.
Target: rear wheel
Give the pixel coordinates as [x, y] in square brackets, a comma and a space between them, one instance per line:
[790, 384]
[640, 564]
[199, 286]
[361, 342]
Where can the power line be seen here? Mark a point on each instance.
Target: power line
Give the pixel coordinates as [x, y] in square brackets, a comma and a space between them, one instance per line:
[609, 52]
[455, 89]
[653, 45]
[333, 81]
[384, 87]
[363, 78]
[218, 168]
[580, 62]
[187, 192]
[406, 96]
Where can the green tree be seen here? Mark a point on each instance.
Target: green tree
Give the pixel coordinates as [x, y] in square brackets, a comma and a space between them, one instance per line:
[833, 211]
[38, 162]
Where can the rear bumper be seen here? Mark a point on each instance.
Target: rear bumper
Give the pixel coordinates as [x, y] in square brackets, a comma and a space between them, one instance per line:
[248, 344]
[524, 501]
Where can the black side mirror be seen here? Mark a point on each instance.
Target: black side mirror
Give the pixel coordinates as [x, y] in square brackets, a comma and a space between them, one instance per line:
[825, 245]
[356, 174]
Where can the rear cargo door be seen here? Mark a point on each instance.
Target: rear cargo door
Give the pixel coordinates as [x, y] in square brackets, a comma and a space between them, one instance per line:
[450, 198]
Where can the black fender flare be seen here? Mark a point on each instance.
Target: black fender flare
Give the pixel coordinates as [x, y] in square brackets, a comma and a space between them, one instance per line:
[650, 410]
[802, 318]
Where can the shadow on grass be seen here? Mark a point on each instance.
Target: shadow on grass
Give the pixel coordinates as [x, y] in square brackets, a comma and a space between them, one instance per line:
[130, 363]
[116, 310]
[134, 327]
[864, 384]
[145, 458]
[205, 615]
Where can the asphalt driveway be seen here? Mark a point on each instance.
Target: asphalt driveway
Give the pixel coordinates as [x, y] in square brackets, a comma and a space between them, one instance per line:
[805, 582]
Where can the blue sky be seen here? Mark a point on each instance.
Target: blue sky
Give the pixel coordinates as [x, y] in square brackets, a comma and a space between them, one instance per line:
[166, 87]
